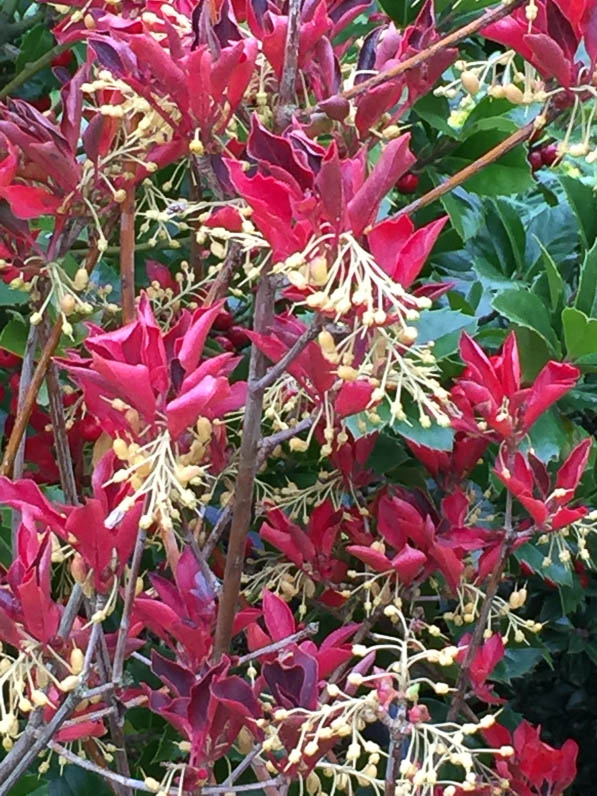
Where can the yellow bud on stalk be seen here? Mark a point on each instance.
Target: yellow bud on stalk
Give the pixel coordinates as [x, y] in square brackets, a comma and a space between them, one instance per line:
[76, 660]
[81, 279]
[513, 94]
[470, 81]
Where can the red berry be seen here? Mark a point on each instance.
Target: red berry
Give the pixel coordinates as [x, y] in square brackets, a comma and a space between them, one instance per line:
[41, 103]
[549, 154]
[8, 360]
[223, 321]
[535, 159]
[238, 337]
[88, 428]
[225, 343]
[63, 59]
[408, 183]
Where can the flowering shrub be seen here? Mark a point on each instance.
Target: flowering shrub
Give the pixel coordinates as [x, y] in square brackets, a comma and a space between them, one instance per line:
[299, 308]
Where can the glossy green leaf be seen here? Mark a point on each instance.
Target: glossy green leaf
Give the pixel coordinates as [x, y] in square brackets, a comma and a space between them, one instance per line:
[526, 309]
[510, 174]
[584, 204]
[580, 334]
[534, 558]
[587, 284]
[554, 278]
[13, 336]
[444, 327]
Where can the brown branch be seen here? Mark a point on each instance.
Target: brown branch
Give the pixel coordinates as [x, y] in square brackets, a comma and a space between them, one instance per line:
[219, 286]
[115, 715]
[127, 255]
[63, 457]
[266, 446]
[10, 772]
[24, 382]
[39, 374]
[274, 373]
[473, 168]
[419, 58]
[129, 598]
[27, 369]
[464, 675]
[222, 523]
[32, 68]
[269, 444]
[23, 416]
[247, 469]
[139, 784]
[306, 632]
[291, 54]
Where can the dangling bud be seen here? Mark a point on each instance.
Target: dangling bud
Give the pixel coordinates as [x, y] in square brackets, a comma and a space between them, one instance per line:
[81, 279]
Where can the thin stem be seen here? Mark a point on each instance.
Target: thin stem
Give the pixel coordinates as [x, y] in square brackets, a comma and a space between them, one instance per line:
[11, 769]
[219, 286]
[473, 168]
[24, 414]
[127, 256]
[477, 639]
[245, 482]
[268, 444]
[39, 374]
[63, 457]
[147, 246]
[306, 632]
[32, 68]
[425, 55]
[129, 598]
[222, 523]
[24, 382]
[291, 53]
[299, 345]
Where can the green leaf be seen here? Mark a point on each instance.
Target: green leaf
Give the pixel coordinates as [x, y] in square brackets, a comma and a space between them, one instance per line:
[13, 336]
[74, 781]
[526, 309]
[517, 662]
[587, 284]
[435, 111]
[534, 352]
[580, 335]
[465, 212]
[386, 454]
[435, 437]
[510, 174]
[10, 297]
[554, 278]
[533, 557]
[584, 204]
[30, 786]
[445, 327]
[34, 44]
[512, 224]
[548, 436]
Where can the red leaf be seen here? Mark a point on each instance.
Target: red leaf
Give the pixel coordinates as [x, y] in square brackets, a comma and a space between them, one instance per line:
[277, 616]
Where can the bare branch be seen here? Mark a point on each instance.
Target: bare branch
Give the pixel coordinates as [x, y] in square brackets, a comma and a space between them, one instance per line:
[306, 632]
[274, 373]
[493, 15]
[10, 769]
[129, 598]
[291, 53]
[127, 255]
[245, 482]
[481, 624]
